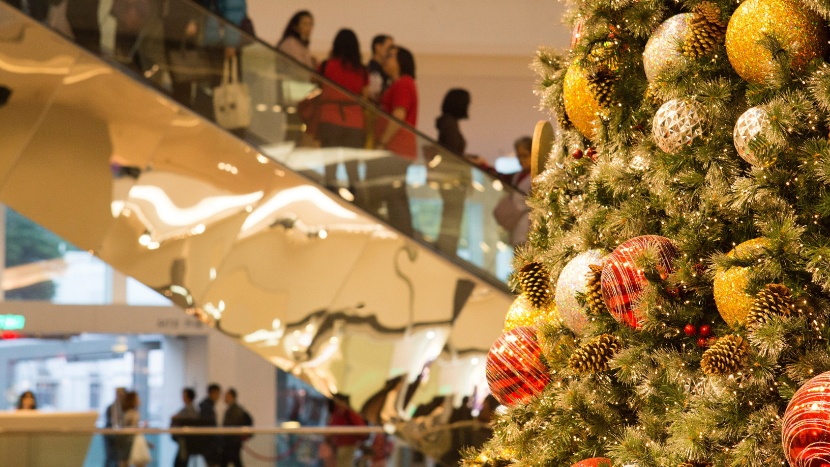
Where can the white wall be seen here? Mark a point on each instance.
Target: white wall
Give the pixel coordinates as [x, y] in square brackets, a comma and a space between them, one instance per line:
[485, 46]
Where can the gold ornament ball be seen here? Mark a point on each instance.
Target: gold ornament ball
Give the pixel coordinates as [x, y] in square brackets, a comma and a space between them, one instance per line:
[581, 105]
[523, 313]
[788, 20]
[730, 284]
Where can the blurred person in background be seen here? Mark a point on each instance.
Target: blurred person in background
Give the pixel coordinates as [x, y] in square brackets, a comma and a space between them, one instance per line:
[378, 79]
[115, 419]
[27, 401]
[341, 117]
[185, 417]
[131, 417]
[452, 174]
[209, 445]
[345, 445]
[296, 38]
[235, 416]
[511, 212]
[386, 176]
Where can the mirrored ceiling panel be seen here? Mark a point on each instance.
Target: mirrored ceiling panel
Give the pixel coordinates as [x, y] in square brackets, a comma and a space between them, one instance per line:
[33, 64]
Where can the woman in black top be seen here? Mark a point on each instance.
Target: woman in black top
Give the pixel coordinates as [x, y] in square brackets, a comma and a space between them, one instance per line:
[452, 174]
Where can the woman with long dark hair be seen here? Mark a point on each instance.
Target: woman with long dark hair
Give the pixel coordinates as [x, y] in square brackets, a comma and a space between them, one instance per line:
[388, 174]
[453, 175]
[297, 36]
[341, 116]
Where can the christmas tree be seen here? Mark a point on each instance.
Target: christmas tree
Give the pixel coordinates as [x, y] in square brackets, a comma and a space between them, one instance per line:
[682, 227]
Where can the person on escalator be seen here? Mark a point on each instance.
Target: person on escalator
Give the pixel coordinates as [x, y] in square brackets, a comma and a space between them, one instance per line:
[386, 176]
[451, 173]
[378, 79]
[296, 37]
[341, 117]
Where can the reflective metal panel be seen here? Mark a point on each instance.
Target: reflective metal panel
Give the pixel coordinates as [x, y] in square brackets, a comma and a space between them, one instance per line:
[33, 63]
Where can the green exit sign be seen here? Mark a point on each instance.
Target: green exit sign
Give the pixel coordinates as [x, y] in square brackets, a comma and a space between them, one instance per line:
[12, 322]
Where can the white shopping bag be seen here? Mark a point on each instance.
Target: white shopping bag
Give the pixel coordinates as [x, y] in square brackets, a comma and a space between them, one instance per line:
[232, 100]
[140, 452]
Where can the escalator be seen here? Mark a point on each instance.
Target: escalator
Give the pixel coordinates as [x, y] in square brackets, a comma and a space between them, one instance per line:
[388, 288]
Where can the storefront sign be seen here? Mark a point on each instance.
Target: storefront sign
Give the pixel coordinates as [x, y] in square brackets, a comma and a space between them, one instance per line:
[11, 322]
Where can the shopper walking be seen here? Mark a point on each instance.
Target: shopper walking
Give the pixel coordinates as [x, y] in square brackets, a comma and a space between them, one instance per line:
[341, 117]
[210, 448]
[115, 419]
[185, 417]
[132, 449]
[235, 416]
[296, 38]
[387, 176]
[378, 79]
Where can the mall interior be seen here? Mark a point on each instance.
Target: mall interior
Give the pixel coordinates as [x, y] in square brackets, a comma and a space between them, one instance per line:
[157, 238]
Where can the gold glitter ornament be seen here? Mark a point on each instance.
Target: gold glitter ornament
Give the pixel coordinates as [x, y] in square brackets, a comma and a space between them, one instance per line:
[730, 284]
[523, 313]
[798, 29]
[582, 106]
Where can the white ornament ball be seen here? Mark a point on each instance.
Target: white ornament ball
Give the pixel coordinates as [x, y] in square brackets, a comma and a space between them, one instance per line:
[676, 124]
[572, 280]
[664, 48]
[753, 122]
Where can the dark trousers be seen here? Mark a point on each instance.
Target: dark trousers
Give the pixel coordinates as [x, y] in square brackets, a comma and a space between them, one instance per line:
[110, 453]
[181, 461]
[336, 136]
[231, 455]
[386, 179]
[452, 214]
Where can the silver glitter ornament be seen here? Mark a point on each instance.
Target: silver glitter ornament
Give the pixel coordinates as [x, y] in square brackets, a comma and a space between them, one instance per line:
[676, 124]
[665, 46]
[572, 281]
[749, 125]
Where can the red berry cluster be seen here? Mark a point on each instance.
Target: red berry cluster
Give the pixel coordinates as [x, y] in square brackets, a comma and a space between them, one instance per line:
[590, 152]
[704, 331]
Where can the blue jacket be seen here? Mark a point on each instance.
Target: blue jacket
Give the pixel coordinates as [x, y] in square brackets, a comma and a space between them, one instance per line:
[234, 11]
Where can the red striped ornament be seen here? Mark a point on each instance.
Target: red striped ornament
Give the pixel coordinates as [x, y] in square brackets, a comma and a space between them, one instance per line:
[805, 431]
[624, 285]
[515, 372]
[594, 462]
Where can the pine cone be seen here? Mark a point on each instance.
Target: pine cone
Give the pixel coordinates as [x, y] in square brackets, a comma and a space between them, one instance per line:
[652, 97]
[562, 118]
[693, 463]
[535, 281]
[726, 356]
[593, 292]
[593, 357]
[707, 31]
[775, 299]
[602, 85]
